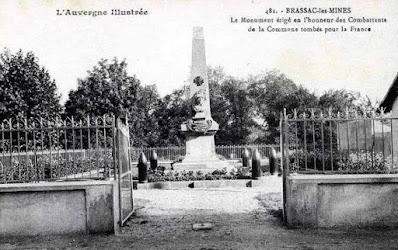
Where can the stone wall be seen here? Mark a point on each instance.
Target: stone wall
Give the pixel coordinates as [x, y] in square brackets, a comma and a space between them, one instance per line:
[341, 201]
[83, 207]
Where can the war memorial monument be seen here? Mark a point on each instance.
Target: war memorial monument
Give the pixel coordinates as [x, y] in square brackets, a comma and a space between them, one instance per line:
[200, 128]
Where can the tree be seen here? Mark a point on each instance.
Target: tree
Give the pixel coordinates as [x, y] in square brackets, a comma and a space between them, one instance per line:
[272, 92]
[27, 90]
[340, 99]
[109, 89]
[231, 108]
[219, 105]
[171, 113]
[142, 118]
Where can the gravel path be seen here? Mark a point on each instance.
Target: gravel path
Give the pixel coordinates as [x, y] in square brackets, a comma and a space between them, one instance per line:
[227, 200]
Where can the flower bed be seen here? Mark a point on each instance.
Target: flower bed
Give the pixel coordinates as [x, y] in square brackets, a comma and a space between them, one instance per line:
[162, 175]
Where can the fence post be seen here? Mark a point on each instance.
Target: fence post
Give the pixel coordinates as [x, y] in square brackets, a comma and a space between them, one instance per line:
[114, 145]
[142, 169]
[272, 161]
[256, 165]
[286, 167]
[153, 160]
[285, 158]
[245, 158]
[282, 165]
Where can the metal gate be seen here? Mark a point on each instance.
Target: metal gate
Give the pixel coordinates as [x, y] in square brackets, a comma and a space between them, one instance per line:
[124, 173]
[351, 142]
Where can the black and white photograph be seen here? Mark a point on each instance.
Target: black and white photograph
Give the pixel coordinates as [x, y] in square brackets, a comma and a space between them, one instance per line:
[188, 124]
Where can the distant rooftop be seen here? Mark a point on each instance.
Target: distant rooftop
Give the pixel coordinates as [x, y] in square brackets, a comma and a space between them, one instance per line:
[391, 95]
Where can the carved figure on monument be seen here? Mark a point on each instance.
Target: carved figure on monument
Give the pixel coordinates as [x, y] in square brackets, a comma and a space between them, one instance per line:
[198, 101]
[200, 126]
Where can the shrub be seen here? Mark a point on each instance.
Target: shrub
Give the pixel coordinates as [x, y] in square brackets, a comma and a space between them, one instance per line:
[354, 162]
[170, 175]
[366, 161]
[46, 167]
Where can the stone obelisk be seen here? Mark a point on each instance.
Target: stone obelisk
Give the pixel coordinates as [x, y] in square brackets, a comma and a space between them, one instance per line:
[200, 128]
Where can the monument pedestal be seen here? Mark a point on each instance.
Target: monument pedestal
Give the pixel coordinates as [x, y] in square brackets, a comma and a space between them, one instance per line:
[201, 154]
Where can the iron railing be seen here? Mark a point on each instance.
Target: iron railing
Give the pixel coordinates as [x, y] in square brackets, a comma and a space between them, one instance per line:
[36, 150]
[349, 142]
[175, 153]
[172, 153]
[235, 151]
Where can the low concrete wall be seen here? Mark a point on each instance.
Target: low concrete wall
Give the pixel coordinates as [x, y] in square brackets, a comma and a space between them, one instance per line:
[83, 207]
[341, 201]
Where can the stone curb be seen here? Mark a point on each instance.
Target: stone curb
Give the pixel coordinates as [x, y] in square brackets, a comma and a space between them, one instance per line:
[200, 184]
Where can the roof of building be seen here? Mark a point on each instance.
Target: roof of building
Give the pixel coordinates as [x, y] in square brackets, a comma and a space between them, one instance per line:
[391, 95]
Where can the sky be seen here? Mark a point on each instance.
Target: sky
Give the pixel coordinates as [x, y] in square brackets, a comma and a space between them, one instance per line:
[157, 47]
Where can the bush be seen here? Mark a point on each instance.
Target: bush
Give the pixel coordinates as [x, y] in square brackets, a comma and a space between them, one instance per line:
[366, 161]
[354, 162]
[163, 175]
[45, 167]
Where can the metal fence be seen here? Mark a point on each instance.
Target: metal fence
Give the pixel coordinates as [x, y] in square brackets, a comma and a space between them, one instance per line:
[175, 153]
[36, 150]
[172, 153]
[349, 142]
[44, 150]
[235, 151]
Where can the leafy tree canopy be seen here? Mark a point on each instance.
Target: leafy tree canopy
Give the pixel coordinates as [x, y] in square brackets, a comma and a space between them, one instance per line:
[109, 89]
[231, 107]
[27, 90]
[272, 92]
[171, 113]
[340, 99]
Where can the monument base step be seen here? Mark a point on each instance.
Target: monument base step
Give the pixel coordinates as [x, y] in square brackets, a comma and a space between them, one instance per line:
[203, 166]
